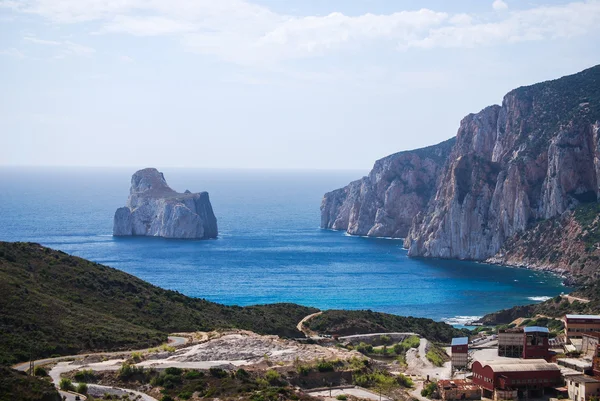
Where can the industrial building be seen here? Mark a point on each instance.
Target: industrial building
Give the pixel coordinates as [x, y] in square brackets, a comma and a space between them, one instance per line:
[536, 343]
[460, 353]
[526, 343]
[452, 390]
[510, 342]
[505, 380]
[589, 344]
[581, 387]
[577, 325]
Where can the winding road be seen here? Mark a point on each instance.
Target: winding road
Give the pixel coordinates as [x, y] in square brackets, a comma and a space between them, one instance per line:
[174, 341]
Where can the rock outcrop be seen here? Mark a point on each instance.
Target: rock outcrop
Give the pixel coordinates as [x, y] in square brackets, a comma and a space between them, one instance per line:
[154, 209]
[534, 157]
[384, 203]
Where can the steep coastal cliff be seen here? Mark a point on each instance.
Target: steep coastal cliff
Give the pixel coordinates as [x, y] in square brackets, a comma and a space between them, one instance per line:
[154, 209]
[533, 158]
[384, 203]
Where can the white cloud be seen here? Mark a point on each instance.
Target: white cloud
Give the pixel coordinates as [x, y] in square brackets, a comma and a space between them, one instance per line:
[146, 26]
[499, 5]
[12, 52]
[42, 41]
[242, 32]
[126, 59]
[64, 48]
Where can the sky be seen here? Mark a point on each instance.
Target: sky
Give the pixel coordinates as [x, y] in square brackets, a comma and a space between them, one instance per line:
[279, 84]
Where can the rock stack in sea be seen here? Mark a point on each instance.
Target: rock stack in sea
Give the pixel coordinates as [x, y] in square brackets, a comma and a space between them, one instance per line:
[154, 209]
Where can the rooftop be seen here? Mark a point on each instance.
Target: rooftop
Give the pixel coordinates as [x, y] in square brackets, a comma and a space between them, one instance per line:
[521, 365]
[460, 341]
[536, 329]
[597, 335]
[594, 317]
[584, 379]
[457, 384]
[580, 363]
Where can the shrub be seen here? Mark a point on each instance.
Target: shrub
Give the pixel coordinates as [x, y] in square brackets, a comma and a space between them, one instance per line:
[217, 372]
[364, 348]
[405, 381]
[167, 398]
[136, 356]
[304, 370]
[325, 366]
[85, 376]
[273, 377]
[185, 395]
[341, 397]
[174, 371]
[193, 374]
[39, 371]
[242, 374]
[429, 389]
[82, 388]
[127, 371]
[66, 385]
[385, 339]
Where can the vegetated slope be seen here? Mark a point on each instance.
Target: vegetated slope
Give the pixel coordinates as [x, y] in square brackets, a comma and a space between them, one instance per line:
[54, 303]
[556, 307]
[17, 386]
[384, 203]
[346, 323]
[568, 243]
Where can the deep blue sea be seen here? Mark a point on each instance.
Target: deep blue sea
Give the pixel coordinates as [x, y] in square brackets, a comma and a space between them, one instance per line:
[270, 248]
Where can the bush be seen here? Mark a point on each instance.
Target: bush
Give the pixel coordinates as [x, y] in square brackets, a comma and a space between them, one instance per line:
[66, 385]
[385, 339]
[185, 395]
[39, 371]
[273, 377]
[405, 381]
[304, 370]
[82, 388]
[167, 398]
[242, 374]
[364, 348]
[127, 371]
[85, 376]
[429, 389]
[193, 374]
[174, 371]
[341, 397]
[325, 366]
[217, 372]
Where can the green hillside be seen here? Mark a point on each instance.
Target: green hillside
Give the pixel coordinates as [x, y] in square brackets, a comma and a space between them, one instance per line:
[17, 386]
[53, 303]
[345, 323]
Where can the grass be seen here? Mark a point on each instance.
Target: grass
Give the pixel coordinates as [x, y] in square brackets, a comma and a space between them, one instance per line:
[437, 356]
[56, 304]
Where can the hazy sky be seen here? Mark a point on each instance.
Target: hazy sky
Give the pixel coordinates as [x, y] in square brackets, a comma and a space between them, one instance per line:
[267, 83]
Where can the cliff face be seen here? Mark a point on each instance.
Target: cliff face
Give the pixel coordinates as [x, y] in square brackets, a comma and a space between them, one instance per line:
[154, 209]
[567, 243]
[384, 203]
[534, 157]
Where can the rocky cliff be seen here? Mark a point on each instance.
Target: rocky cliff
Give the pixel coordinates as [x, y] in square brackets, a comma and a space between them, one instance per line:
[154, 209]
[384, 203]
[564, 244]
[533, 158]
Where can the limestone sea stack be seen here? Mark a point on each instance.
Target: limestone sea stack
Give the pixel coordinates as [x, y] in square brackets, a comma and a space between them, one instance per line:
[154, 209]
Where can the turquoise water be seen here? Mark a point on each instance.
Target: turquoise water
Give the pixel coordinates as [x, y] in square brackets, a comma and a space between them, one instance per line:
[270, 247]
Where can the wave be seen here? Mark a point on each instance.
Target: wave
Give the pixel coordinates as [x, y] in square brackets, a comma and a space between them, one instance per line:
[461, 320]
[539, 299]
[346, 234]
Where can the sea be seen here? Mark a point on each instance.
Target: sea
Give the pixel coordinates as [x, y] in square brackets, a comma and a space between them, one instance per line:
[270, 247]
